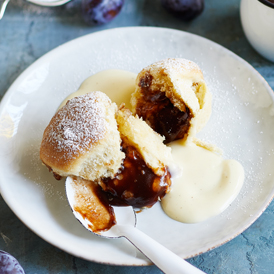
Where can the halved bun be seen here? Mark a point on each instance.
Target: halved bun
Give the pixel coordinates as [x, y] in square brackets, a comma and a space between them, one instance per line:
[82, 139]
[178, 82]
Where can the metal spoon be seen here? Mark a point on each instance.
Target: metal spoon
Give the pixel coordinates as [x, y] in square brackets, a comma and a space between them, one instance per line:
[45, 3]
[167, 261]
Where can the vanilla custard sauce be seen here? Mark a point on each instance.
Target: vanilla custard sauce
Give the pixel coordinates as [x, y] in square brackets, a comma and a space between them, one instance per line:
[208, 184]
[118, 85]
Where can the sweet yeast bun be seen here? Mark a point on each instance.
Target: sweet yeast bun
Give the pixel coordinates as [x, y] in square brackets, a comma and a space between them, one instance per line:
[135, 132]
[177, 82]
[82, 139]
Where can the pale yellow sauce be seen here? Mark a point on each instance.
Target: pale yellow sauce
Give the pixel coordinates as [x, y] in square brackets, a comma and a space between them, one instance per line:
[207, 185]
[118, 85]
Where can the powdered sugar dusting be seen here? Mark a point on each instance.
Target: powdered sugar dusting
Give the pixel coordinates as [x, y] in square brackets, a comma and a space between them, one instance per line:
[78, 125]
[177, 64]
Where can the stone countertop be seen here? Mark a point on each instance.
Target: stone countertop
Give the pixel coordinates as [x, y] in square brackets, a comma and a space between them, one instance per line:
[28, 32]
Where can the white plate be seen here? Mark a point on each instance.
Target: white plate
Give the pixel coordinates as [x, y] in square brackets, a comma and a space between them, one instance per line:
[241, 124]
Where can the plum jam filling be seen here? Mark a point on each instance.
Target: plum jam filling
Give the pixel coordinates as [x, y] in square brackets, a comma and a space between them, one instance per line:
[162, 116]
[136, 184]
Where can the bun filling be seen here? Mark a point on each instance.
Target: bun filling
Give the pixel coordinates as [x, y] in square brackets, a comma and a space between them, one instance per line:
[136, 184]
[160, 114]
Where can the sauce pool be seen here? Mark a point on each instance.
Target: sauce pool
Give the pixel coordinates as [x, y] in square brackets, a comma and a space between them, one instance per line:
[207, 186]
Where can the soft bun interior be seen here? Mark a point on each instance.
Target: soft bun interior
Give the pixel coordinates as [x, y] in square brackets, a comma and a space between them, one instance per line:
[135, 132]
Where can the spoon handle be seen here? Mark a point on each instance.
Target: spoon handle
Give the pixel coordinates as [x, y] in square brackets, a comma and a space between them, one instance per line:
[162, 257]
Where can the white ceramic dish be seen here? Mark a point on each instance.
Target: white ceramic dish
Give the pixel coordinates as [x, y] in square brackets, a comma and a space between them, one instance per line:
[241, 124]
[257, 17]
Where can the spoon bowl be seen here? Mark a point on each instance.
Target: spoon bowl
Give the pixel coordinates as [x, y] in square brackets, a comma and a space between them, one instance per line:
[124, 215]
[125, 227]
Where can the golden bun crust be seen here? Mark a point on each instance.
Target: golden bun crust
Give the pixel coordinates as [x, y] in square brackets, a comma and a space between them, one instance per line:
[183, 83]
[135, 132]
[82, 139]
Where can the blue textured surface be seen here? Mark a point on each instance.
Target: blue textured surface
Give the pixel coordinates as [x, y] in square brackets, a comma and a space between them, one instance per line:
[27, 32]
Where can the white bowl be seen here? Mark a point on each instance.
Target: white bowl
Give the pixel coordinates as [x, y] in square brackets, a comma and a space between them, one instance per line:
[257, 17]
